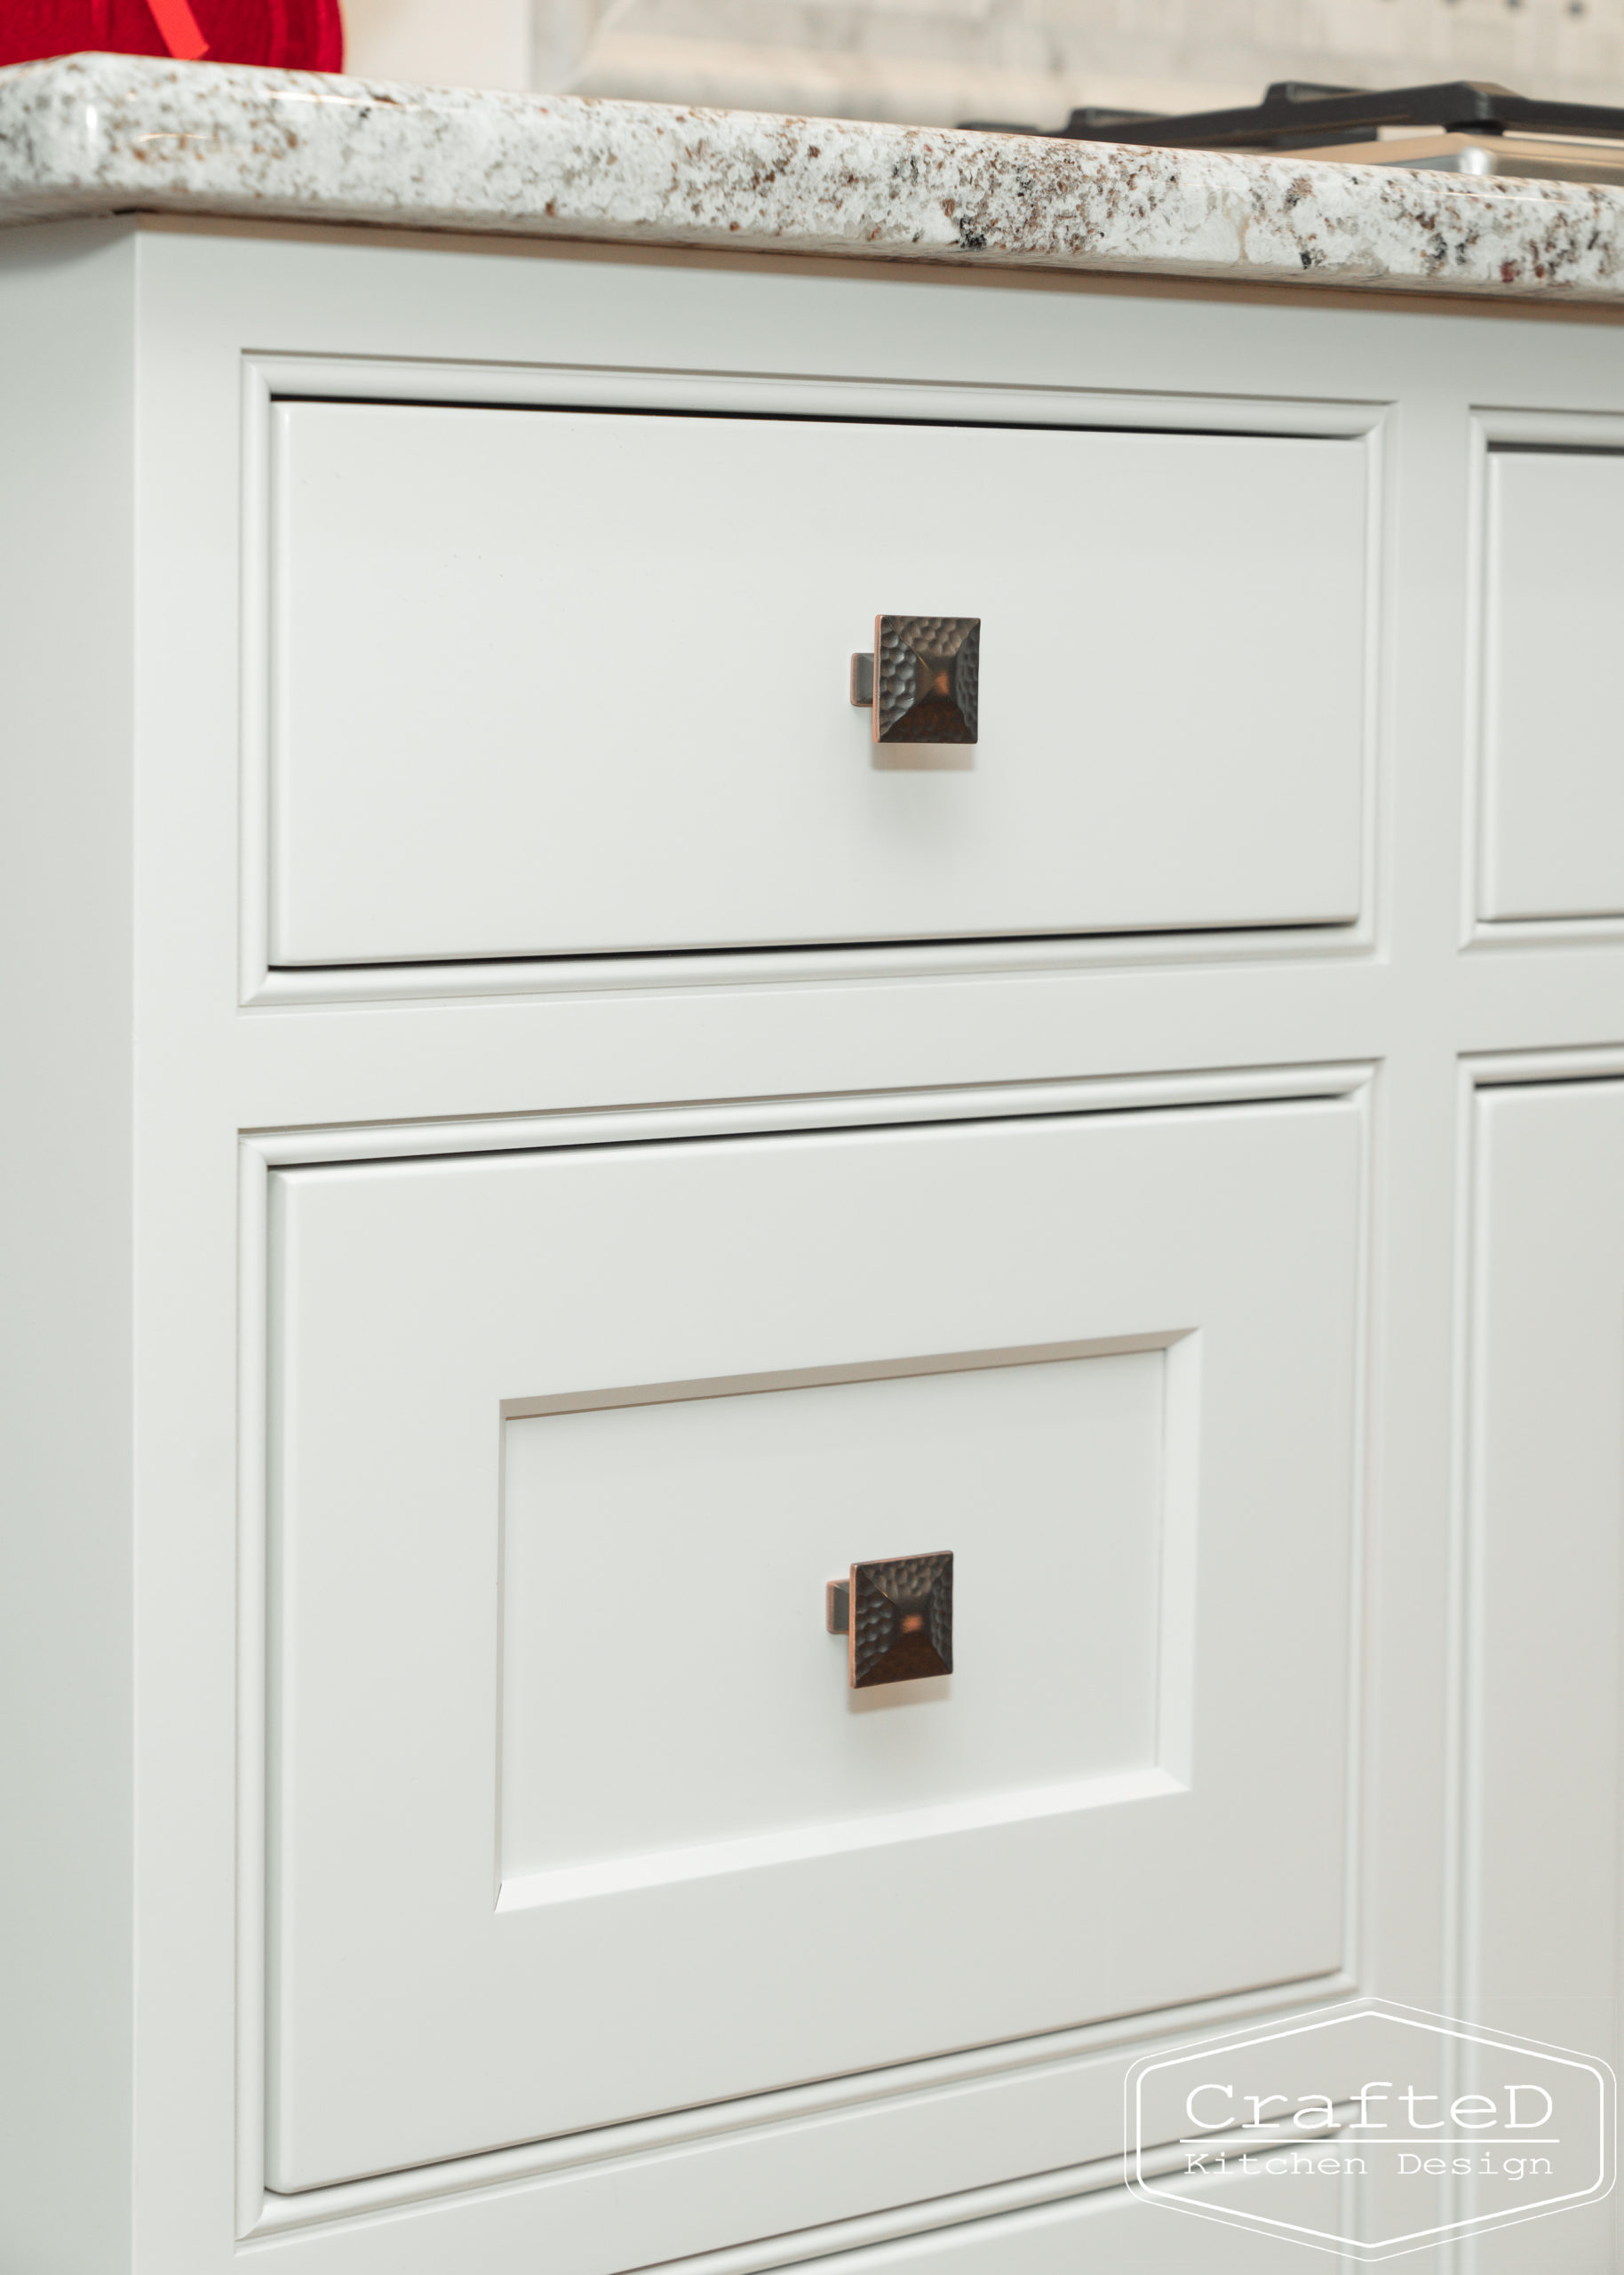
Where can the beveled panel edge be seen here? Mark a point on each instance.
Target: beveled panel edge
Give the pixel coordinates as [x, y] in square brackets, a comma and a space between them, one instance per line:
[727, 1855]
[1484, 1070]
[875, 1371]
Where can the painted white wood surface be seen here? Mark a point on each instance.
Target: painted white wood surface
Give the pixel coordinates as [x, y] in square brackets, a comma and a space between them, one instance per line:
[1553, 685]
[1105, 2233]
[666, 1700]
[154, 2165]
[1100, 1866]
[66, 1516]
[560, 682]
[1546, 1619]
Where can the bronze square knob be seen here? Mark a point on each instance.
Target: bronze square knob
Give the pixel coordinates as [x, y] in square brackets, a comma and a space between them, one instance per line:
[897, 1617]
[923, 683]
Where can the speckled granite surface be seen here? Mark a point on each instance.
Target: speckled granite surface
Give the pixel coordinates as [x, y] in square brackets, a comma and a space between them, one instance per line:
[99, 133]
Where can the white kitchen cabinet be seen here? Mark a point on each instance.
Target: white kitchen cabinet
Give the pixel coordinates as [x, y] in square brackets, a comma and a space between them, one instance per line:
[532, 1148]
[697, 1380]
[554, 680]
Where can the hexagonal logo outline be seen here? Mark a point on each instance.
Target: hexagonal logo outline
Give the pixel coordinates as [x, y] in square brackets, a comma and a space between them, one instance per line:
[1351, 2246]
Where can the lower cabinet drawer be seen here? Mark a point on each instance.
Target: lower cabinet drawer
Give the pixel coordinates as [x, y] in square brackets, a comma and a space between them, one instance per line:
[575, 1815]
[566, 683]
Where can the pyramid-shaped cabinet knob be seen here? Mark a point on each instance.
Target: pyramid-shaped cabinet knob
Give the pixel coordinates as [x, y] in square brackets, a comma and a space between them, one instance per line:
[922, 683]
[897, 1616]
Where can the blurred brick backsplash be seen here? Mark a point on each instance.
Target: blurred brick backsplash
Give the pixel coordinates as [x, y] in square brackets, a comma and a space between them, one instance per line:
[935, 62]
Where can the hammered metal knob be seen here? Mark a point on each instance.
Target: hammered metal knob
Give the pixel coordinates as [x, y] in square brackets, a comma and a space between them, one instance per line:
[897, 1617]
[922, 683]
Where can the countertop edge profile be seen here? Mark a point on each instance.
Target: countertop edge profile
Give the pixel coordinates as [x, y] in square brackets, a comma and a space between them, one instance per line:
[100, 134]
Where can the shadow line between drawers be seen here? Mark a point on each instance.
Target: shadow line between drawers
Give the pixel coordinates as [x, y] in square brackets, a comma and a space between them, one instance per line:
[804, 2107]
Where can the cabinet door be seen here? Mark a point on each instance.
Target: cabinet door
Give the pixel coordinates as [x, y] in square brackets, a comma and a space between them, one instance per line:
[575, 1815]
[1542, 1882]
[556, 681]
[1553, 723]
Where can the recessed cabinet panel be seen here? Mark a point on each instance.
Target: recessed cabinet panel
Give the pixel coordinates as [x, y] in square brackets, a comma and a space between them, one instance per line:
[575, 1815]
[706, 1517]
[1554, 686]
[556, 681]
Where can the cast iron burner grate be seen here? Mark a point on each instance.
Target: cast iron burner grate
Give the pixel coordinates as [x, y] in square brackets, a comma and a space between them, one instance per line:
[1296, 115]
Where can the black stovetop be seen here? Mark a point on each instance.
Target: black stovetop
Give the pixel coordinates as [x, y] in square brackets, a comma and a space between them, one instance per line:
[1295, 115]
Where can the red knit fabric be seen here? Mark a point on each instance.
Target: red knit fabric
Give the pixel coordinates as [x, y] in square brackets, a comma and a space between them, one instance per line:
[297, 35]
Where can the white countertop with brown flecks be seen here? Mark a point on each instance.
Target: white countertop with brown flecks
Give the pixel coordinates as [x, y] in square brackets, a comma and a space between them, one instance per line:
[97, 134]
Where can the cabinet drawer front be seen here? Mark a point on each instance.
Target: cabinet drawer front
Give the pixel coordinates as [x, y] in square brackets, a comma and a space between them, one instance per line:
[1554, 709]
[574, 1814]
[562, 682]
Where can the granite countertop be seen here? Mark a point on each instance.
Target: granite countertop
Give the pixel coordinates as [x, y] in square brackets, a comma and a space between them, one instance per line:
[96, 134]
